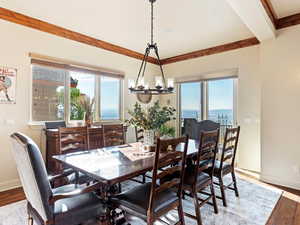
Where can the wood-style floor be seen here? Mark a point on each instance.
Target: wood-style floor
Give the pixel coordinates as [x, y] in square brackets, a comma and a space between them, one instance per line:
[286, 212]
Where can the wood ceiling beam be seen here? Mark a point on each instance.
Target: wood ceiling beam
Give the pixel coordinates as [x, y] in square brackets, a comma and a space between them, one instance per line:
[40, 25]
[214, 50]
[288, 21]
[270, 11]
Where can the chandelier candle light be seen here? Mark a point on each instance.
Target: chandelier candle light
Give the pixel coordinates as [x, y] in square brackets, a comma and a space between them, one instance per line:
[139, 87]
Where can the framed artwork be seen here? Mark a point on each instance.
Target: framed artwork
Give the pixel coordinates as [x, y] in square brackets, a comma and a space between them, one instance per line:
[8, 78]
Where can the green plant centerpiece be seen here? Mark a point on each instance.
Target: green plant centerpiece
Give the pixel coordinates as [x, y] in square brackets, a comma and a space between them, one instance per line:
[151, 119]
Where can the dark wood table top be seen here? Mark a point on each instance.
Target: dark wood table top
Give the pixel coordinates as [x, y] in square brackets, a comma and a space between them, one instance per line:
[110, 165]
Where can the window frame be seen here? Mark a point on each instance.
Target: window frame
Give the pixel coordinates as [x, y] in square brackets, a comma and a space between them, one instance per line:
[97, 93]
[205, 98]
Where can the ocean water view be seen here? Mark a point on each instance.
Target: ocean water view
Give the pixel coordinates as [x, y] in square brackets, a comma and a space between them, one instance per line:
[110, 114]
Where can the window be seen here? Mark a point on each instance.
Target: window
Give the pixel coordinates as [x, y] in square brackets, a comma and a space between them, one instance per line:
[191, 104]
[210, 99]
[53, 89]
[110, 99]
[220, 101]
[48, 91]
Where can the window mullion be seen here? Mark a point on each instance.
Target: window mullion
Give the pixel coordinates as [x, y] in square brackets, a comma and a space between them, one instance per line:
[205, 100]
[67, 97]
[97, 98]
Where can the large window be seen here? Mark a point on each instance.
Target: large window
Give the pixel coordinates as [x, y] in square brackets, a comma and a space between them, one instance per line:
[56, 94]
[210, 99]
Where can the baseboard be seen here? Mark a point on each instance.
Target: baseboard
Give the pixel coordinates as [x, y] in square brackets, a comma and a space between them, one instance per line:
[7, 185]
[279, 181]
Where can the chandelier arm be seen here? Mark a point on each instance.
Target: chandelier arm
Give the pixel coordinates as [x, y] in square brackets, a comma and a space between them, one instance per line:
[141, 67]
[160, 66]
[145, 64]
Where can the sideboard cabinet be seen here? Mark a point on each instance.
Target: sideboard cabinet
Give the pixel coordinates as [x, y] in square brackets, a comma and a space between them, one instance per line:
[96, 140]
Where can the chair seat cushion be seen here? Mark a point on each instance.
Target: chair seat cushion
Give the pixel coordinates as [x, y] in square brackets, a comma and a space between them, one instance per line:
[137, 199]
[78, 209]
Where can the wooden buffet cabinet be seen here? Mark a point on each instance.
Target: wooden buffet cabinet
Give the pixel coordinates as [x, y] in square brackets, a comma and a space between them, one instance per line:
[96, 140]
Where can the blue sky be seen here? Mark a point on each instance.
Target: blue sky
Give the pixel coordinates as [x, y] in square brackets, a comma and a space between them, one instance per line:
[220, 94]
[109, 89]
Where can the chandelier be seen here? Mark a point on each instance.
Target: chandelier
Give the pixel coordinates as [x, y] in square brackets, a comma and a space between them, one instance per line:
[139, 86]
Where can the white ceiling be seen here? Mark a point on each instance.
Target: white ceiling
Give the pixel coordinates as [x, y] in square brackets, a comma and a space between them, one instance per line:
[181, 26]
[285, 8]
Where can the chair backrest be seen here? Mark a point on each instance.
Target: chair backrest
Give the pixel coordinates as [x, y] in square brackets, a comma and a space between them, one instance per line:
[55, 125]
[73, 139]
[230, 145]
[193, 128]
[170, 154]
[33, 174]
[207, 151]
[139, 134]
[113, 135]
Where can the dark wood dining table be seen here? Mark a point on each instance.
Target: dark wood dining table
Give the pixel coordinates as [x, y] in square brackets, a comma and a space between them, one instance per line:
[111, 165]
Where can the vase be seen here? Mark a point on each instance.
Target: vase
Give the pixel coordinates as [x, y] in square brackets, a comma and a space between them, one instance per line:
[149, 137]
[88, 119]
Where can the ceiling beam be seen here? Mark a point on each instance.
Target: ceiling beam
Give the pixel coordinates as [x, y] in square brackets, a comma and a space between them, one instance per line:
[214, 50]
[255, 17]
[288, 21]
[40, 25]
[270, 11]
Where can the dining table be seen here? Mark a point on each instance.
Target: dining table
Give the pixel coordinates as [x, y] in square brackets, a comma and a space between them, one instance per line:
[110, 166]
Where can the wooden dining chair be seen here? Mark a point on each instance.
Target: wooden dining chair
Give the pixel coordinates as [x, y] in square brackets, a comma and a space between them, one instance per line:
[150, 201]
[72, 139]
[66, 205]
[196, 180]
[113, 135]
[226, 164]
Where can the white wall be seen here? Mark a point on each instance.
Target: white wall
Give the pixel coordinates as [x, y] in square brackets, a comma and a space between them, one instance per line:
[268, 103]
[280, 60]
[268, 95]
[246, 60]
[15, 43]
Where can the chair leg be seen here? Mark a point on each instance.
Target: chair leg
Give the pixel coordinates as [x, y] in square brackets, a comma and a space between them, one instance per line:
[30, 219]
[197, 208]
[212, 189]
[222, 191]
[119, 187]
[180, 213]
[144, 178]
[235, 184]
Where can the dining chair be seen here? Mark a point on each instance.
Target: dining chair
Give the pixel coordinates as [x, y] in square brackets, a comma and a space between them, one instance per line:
[154, 199]
[193, 128]
[72, 139]
[225, 165]
[196, 180]
[66, 205]
[113, 135]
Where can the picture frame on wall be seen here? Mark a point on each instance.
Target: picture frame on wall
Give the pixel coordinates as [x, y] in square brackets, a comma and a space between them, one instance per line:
[8, 78]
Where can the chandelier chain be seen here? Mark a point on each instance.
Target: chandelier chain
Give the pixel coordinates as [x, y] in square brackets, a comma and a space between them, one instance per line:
[152, 17]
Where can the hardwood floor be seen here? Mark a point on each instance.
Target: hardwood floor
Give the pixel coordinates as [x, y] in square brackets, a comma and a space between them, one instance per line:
[286, 212]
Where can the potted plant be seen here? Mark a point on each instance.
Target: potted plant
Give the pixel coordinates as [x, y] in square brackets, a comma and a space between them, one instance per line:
[150, 119]
[87, 105]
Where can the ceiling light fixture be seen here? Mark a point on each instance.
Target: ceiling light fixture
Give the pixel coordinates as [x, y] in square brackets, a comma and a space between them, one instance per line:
[143, 90]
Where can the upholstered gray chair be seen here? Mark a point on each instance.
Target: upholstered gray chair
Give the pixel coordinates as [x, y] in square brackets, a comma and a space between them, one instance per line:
[193, 128]
[66, 205]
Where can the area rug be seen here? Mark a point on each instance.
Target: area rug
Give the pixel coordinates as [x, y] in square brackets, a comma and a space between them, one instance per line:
[253, 207]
